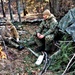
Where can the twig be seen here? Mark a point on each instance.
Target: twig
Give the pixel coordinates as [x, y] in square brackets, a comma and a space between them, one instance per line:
[72, 72]
[66, 41]
[33, 52]
[71, 65]
[68, 64]
[57, 46]
[55, 53]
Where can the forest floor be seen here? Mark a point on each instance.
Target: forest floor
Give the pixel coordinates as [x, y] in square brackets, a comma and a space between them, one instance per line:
[22, 62]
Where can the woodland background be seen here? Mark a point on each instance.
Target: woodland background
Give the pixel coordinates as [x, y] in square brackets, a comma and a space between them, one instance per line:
[21, 7]
[22, 14]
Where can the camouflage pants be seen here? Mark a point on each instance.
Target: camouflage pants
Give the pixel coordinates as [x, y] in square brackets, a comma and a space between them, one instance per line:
[45, 41]
[11, 43]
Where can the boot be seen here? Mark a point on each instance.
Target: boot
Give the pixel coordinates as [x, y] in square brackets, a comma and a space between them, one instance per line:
[20, 47]
[40, 48]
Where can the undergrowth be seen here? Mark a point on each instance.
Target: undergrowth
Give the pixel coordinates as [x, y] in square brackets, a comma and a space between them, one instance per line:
[60, 61]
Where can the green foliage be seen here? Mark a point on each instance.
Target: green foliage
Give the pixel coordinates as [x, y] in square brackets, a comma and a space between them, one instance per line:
[60, 61]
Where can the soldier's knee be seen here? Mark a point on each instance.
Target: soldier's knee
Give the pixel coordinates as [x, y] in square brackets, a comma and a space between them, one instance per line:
[49, 37]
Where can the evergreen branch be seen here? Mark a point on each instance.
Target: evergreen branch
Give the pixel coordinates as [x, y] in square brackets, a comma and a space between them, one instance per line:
[68, 64]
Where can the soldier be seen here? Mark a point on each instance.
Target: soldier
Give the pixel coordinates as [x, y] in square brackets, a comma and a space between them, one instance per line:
[10, 35]
[44, 35]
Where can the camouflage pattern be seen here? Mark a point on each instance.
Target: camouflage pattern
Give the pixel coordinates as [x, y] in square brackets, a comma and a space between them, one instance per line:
[67, 23]
[11, 43]
[67, 20]
[46, 28]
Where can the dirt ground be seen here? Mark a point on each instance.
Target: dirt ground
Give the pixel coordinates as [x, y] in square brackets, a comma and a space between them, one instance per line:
[21, 62]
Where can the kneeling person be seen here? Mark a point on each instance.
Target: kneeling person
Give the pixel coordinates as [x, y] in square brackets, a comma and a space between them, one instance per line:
[9, 32]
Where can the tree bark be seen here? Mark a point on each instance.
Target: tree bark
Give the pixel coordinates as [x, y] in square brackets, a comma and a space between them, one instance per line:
[24, 7]
[54, 6]
[10, 10]
[18, 9]
[3, 8]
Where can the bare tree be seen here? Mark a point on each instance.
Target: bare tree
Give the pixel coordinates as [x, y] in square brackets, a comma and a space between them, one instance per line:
[10, 10]
[18, 9]
[54, 6]
[24, 7]
[3, 8]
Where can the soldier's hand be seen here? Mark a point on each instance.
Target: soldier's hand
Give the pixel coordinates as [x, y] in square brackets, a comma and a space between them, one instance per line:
[41, 36]
[38, 34]
[17, 39]
[10, 38]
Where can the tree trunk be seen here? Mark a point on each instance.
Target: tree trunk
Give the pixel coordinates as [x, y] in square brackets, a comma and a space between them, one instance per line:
[54, 6]
[18, 9]
[10, 10]
[3, 8]
[24, 7]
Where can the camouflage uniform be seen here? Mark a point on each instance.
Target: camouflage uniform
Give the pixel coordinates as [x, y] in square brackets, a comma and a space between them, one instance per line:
[6, 34]
[46, 28]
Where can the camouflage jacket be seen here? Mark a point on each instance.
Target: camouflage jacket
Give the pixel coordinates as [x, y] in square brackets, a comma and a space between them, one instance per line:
[47, 26]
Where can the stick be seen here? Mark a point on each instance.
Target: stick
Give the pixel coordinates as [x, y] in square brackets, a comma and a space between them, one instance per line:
[33, 52]
[68, 65]
[55, 53]
[66, 41]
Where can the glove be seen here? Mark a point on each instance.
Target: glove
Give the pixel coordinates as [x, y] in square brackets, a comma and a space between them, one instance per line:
[17, 40]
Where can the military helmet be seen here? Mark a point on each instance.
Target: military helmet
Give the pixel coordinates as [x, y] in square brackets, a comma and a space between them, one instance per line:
[47, 12]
